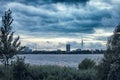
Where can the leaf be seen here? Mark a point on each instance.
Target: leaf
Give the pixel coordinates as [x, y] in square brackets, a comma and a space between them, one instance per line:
[10, 37]
[18, 44]
[15, 41]
[21, 48]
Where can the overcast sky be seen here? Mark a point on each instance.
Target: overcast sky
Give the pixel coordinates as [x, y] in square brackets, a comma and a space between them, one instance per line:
[50, 24]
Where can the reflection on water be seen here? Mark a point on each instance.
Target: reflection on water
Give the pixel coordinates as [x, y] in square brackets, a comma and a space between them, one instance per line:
[71, 60]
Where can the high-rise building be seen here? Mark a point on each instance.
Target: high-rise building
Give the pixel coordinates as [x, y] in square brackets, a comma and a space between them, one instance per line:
[67, 47]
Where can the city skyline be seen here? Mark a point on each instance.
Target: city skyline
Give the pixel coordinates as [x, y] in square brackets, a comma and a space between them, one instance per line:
[51, 24]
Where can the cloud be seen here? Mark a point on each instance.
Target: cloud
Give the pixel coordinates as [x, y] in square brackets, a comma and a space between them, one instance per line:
[70, 1]
[96, 40]
[42, 2]
[40, 19]
[61, 21]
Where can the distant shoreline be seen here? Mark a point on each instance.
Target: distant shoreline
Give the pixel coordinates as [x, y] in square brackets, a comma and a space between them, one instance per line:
[59, 54]
[56, 53]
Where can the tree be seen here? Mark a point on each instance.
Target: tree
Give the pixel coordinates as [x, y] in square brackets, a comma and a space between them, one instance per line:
[109, 68]
[9, 46]
[87, 64]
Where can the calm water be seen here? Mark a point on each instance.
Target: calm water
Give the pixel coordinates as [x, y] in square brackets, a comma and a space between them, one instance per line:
[71, 60]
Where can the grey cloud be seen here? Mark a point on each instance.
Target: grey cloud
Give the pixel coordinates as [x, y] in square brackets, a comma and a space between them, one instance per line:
[41, 19]
[41, 2]
[71, 1]
[95, 46]
[74, 45]
[37, 18]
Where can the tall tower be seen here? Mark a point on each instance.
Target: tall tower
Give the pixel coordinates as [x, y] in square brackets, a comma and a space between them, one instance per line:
[67, 47]
[82, 44]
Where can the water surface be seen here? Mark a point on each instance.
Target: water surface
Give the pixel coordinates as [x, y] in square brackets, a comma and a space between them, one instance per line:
[71, 60]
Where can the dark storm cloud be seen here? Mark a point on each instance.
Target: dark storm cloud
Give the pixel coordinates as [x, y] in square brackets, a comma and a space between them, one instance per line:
[38, 2]
[70, 1]
[45, 18]
[40, 19]
[62, 18]
[96, 15]
[49, 19]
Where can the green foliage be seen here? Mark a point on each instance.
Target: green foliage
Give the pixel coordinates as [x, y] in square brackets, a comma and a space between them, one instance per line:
[50, 78]
[89, 74]
[8, 45]
[1, 71]
[109, 68]
[20, 69]
[114, 72]
[48, 72]
[87, 64]
[61, 73]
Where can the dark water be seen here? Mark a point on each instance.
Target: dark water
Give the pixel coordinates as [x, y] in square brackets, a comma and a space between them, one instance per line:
[71, 60]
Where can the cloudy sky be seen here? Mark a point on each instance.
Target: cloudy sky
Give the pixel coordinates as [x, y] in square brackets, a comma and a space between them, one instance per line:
[50, 24]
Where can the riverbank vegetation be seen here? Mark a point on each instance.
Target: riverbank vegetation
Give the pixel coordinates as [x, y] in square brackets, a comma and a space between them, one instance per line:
[19, 70]
[51, 73]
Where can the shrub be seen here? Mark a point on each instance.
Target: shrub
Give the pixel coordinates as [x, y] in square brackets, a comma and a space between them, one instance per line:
[20, 69]
[87, 64]
[61, 73]
[1, 72]
[88, 74]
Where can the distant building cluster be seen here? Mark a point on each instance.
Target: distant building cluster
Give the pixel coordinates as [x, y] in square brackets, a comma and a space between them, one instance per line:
[67, 51]
[68, 46]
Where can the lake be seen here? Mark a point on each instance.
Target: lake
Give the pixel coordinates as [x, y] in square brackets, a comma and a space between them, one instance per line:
[71, 60]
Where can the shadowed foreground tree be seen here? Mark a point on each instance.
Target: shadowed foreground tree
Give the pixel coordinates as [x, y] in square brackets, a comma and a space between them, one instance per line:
[109, 68]
[9, 46]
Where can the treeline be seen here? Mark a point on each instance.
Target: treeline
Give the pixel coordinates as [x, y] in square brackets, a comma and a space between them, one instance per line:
[64, 52]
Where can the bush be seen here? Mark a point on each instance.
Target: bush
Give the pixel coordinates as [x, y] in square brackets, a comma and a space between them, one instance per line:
[114, 72]
[61, 73]
[20, 69]
[1, 72]
[87, 64]
[88, 74]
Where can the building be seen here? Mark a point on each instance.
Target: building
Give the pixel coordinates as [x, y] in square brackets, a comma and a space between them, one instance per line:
[67, 47]
[59, 51]
[27, 49]
[78, 49]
